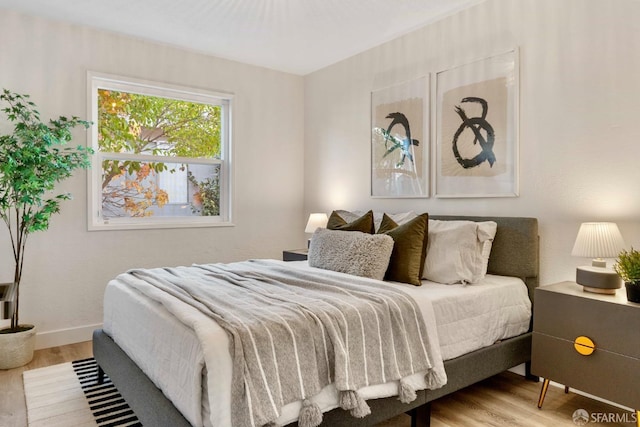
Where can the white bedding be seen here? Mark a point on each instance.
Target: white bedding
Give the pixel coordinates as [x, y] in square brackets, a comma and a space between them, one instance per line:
[470, 317]
[466, 318]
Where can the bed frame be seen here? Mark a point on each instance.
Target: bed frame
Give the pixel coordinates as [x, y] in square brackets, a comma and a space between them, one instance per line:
[515, 252]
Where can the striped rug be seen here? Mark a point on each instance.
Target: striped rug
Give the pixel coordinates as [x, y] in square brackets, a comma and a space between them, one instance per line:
[68, 395]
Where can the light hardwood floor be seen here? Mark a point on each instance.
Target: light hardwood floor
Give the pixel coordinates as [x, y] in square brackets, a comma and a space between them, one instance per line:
[13, 411]
[504, 400]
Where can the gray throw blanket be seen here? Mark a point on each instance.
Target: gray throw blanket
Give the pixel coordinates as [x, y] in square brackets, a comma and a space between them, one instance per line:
[292, 332]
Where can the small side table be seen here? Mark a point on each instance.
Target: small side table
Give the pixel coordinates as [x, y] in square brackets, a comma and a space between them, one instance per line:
[587, 341]
[295, 255]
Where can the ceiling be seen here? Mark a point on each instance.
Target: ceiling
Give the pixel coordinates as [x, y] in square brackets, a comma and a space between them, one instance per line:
[295, 36]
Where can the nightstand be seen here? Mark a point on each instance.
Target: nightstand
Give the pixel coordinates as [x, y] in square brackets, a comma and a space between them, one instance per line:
[587, 341]
[295, 255]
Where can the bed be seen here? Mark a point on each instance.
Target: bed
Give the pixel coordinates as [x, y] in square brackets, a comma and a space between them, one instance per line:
[514, 253]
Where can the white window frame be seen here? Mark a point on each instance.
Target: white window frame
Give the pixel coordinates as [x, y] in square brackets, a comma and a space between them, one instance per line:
[97, 81]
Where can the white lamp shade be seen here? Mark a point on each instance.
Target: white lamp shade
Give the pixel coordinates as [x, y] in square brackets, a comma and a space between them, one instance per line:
[316, 220]
[598, 240]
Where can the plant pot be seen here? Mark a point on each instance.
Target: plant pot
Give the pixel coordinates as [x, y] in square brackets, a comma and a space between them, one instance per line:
[633, 291]
[16, 348]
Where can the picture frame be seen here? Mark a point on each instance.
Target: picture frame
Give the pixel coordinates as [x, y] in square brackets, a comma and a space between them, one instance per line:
[477, 128]
[400, 140]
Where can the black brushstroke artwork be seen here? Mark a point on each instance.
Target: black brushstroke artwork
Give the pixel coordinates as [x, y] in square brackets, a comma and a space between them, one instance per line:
[475, 124]
[404, 144]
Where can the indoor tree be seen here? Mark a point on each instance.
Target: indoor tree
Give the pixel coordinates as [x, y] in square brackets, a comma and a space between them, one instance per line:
[32, 160]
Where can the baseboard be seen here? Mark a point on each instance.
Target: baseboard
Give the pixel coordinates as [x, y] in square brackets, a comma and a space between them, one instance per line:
[65, 336]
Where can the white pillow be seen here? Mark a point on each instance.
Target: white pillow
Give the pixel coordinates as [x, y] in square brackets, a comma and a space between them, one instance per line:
[351, 252]
[398, 218]
[458, 251]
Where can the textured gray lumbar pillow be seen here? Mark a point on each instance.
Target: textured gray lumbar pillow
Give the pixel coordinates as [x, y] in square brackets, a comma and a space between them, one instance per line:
[351, 252]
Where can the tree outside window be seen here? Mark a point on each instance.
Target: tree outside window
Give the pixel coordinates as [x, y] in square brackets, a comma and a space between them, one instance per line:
[161, 157]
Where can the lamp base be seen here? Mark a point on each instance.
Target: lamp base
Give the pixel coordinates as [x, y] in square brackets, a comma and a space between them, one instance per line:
[598, 279]
[599, 290]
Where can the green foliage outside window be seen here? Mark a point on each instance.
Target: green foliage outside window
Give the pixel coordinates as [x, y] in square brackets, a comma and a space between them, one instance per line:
[207, 195]
[149, 125]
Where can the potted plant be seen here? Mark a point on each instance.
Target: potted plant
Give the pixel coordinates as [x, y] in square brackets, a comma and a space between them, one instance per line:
[32, 161]
[628, 268]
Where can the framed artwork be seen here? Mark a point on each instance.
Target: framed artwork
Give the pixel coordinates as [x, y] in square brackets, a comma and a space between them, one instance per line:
[400, 140]
[477, 128]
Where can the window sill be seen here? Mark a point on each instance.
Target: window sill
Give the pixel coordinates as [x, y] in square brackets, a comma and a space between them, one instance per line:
[119, 225]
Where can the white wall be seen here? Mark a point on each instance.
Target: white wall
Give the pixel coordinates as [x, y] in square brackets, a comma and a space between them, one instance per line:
[68, 267]
[579, 141]
[579, 111]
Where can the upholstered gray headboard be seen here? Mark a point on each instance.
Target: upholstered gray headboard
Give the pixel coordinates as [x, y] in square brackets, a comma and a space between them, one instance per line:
[515, 249]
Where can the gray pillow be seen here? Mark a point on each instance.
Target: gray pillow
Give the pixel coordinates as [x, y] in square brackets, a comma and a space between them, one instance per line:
[351, 252]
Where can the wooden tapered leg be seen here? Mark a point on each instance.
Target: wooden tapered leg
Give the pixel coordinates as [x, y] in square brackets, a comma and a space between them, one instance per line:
[543, 392]
[566, 389]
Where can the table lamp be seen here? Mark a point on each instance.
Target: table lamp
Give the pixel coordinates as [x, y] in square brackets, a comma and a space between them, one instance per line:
[598, 240]
[316, 220]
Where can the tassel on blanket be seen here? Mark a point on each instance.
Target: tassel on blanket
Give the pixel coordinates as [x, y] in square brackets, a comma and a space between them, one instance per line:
[351, 401]
[434, 379]
[361, 409]
[406, 393]
[310, 414]
[348, 400]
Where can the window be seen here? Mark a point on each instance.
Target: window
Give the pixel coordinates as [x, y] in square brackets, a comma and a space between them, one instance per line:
[162, 155]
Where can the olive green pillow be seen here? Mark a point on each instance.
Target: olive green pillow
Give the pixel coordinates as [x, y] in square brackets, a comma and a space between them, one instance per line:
[363, 224]
[409, 249]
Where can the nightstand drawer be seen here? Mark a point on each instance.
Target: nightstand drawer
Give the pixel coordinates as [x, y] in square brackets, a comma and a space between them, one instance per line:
[612, 326]
[603, 373]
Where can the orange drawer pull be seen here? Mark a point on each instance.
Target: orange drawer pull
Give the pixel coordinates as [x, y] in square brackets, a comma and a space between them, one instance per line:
[584, 345]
